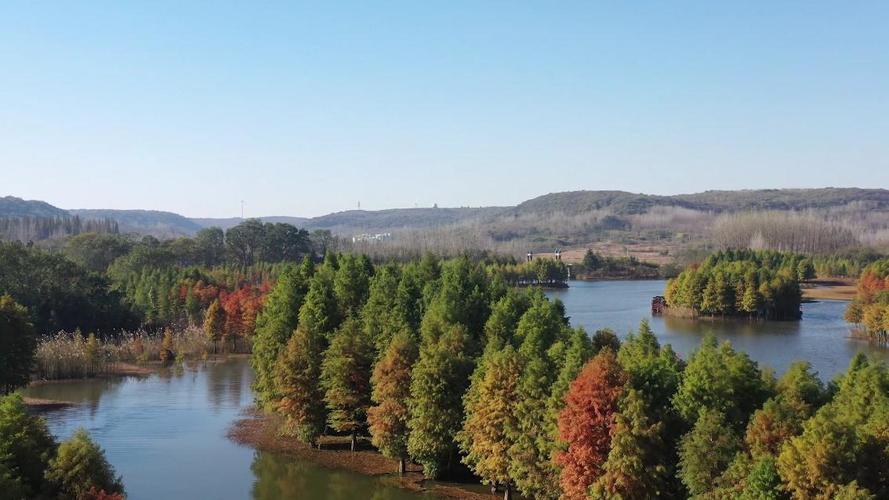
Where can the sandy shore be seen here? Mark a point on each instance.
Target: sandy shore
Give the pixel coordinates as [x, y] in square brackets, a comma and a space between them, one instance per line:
[829, 289]
[259, 431]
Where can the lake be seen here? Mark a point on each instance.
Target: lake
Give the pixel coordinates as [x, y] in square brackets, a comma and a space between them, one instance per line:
[166, 433]
[821, 337]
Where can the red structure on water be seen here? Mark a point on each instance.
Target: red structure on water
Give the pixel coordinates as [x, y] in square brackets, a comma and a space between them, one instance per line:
[658, 304]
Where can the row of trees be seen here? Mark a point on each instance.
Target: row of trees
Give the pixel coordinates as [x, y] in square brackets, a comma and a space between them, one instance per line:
[442, 364]
[870, 307]
[537, 272]
[59, 294]
[243, 245]
[595, 265]
[29, 228]
[844, 264]
[782, 231]
[748, 283]
[176, 296]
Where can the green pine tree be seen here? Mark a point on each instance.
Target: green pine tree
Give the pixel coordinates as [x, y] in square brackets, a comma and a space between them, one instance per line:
[345, 379]
[438, 382]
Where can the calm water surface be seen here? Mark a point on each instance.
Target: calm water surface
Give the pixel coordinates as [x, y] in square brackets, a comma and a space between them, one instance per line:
[821, 337]
[166, 433]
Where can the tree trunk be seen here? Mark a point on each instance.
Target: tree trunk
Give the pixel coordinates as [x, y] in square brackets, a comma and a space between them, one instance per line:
[507, 492]
[354, 441]
[401, 466]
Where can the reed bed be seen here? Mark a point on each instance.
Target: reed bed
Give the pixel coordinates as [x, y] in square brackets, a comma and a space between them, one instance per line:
[72, 355]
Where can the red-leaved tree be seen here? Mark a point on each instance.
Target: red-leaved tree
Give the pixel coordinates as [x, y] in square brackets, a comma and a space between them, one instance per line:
[587, 421]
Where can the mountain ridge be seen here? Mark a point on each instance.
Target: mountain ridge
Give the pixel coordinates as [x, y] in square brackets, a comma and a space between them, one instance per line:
[575, 205]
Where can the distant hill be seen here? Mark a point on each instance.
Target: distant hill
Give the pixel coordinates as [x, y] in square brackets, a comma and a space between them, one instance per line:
[371, 221]
[582, 217]
[10, 206]
[557, 219]
[624, 203]
[155, 223]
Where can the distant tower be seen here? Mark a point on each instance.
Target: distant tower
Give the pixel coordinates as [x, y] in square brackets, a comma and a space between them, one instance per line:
[242, 209]
[359, 204]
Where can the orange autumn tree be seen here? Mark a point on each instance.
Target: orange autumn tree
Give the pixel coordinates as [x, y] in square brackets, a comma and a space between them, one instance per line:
[870, 307]
[241, 308]
[587, 423]
[391, 382]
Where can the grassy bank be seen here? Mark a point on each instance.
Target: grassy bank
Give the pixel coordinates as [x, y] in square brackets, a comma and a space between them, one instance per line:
[75, 356]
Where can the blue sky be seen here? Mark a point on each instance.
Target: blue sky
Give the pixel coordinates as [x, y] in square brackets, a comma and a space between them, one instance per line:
[308, 108]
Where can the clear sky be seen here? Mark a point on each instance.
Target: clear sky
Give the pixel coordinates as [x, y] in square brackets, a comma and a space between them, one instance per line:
[308, 108]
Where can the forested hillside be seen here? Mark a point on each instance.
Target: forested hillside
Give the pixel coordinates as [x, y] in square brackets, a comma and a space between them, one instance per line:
[152, 222]
[795, 220]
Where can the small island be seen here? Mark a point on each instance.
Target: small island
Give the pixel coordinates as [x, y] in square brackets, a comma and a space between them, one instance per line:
[755, 284]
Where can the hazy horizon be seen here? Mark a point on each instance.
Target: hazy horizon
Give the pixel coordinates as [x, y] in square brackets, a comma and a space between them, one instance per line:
[306, 110]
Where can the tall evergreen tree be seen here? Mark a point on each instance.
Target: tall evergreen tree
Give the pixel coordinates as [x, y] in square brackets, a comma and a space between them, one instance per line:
[391, 382]
[531, 466]
[381, 315]
[706, 451]
[438, 382]
[540, 331]
[579, 350]
[505, 315]
[320, 311]
[80, 466]
[847, 439]
[214, 323]
[345, 378]
[26, 447]
[540, 327]
[297, 374]
[274, 326]
[484, 438]
[637, 465]
[351, 284]
[721, 379]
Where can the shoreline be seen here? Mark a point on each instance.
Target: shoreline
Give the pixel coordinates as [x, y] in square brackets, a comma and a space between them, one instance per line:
[617, 278]
[829, 289]
[127, 369]
[41, 405]
[259, 431]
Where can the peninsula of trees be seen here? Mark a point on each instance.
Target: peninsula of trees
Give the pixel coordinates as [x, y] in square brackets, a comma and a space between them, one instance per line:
[442, 364]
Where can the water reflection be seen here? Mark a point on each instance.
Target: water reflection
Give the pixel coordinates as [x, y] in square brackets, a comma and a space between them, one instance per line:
[87, 396]
[280, 476]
